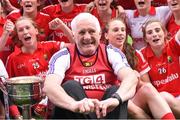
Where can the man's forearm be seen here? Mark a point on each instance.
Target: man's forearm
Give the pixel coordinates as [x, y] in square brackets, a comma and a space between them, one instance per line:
[56, 93]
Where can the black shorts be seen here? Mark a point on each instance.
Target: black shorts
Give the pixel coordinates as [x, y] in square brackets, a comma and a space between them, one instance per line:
[2, 97]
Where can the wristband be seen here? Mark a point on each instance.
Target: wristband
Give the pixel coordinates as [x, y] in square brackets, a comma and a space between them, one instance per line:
[116, 95]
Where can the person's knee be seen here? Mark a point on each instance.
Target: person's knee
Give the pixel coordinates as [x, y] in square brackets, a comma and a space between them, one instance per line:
[70, 84]
[147, 90]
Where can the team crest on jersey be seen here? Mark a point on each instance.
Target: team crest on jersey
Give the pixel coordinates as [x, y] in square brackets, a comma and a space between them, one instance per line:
[45, 56]
[87, 64]
[169, 58]
[35, 65]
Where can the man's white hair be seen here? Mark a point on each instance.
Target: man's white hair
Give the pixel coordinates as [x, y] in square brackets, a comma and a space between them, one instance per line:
[82, 17]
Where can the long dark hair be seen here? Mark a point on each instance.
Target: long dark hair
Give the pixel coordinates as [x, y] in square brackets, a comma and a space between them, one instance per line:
[128, 50]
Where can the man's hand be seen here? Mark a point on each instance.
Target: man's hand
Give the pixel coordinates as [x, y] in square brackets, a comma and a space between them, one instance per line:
[105, 106]
[85, 106]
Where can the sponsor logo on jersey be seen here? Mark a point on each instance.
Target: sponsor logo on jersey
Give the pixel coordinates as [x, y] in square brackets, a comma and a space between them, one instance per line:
[167, 80]
[91, 79]
[93, 82]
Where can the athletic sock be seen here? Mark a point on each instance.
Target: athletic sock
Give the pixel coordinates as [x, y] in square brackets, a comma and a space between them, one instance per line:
[169, 116]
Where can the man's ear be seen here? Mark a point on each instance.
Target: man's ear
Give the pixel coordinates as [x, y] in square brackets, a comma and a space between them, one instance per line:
[73, 35]
[100, 34]
[106, 36]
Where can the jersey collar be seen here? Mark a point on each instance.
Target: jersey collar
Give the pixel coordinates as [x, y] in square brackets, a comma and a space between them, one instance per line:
[150, 53]
[18, 50]
[152, 12]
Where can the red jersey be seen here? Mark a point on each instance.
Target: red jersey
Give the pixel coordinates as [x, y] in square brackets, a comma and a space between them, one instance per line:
[157, 3]
[83, 1]
[7, 50]
[126, 4]
[165, 70]
[102, 24]
[55, 11]
[24, 64]
[41, 20]
[95, 77]
[142, 64]
[15, 3]
[47, 2]
[95, 13]
[172, 27]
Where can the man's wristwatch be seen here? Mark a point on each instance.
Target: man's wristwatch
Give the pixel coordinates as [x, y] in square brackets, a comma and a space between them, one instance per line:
[116, 95]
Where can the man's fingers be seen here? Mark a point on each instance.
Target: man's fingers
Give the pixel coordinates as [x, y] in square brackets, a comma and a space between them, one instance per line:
[91, 105]
[104, 110]
[86, 106]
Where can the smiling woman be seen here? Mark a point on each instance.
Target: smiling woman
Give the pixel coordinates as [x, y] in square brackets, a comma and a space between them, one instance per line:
[144, 12]
[116, 34]
[30, 9]
[31, 57]
[43, 3]
[104, 11]
[163, 57]
[65, 10]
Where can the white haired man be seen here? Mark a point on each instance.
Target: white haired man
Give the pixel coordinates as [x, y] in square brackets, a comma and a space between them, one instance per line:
[88, 79]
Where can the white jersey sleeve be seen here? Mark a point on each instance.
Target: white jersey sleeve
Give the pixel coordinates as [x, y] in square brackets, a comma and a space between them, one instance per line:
[3, 72]
[163, 14]
[116, 58]
[59, 62]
